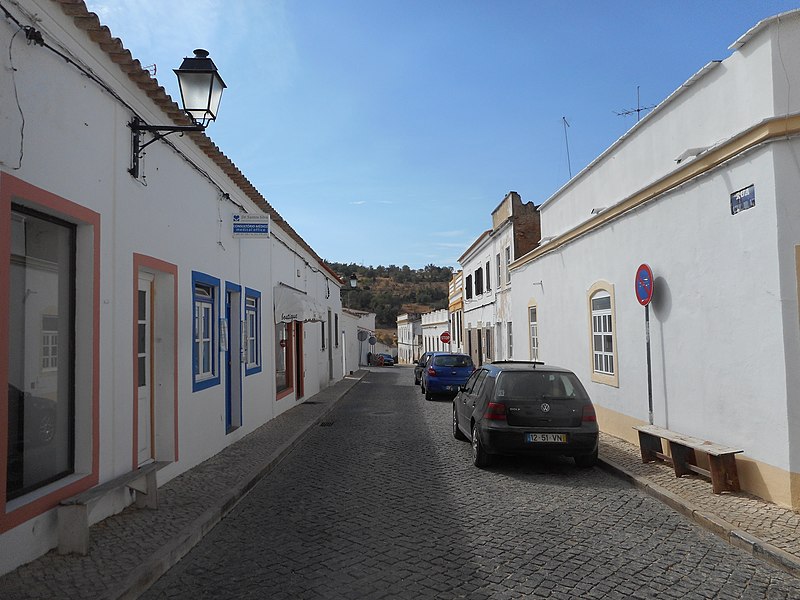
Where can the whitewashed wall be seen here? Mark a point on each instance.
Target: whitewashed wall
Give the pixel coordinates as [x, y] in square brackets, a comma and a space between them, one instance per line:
[77, 146]
[724, 319]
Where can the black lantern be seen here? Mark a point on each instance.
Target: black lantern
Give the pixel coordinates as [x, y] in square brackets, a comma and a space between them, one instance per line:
[201, 87]
[201, 91]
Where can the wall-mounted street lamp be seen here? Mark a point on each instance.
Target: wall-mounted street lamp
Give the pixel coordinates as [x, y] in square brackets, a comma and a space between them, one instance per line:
[201, 91]
[353, 285]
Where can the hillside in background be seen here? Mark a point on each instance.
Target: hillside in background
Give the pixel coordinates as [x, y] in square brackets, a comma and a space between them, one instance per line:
[391, 291]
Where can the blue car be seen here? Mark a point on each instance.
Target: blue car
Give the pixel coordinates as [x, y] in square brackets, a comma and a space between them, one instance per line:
[445, 373]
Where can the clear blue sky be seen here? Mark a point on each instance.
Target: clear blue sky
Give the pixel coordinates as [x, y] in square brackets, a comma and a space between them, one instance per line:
[385, 132]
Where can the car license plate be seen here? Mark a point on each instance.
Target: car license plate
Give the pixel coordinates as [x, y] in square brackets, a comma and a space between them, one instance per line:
[548, 438]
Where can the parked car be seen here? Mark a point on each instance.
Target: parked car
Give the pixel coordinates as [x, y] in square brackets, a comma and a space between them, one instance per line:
[384, 359]
[445, 373]
[419, 366]
[526, 408]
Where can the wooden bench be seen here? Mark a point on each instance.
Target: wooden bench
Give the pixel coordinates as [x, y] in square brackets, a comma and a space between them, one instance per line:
[682, 449]
[73, 513]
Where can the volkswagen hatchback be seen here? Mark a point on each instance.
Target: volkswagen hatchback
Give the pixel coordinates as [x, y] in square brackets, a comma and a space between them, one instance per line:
[445, 373]
[526, 408]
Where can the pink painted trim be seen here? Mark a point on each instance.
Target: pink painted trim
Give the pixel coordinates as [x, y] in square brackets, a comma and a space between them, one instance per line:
[13, 188]
[155, 264]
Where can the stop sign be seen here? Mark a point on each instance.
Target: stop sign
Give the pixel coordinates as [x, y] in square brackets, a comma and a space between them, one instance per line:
[445, 337]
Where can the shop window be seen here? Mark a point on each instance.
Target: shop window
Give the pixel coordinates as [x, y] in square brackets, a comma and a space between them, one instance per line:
[41, 342]
[283, 356]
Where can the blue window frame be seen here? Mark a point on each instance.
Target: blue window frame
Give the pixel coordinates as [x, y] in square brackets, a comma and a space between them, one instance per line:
[205, 353]
[252, 341]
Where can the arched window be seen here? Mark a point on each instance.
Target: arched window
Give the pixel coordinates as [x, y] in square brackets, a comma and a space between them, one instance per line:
[603, 334]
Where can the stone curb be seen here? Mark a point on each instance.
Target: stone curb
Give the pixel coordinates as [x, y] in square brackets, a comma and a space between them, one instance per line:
[147, 573]
[709, 521]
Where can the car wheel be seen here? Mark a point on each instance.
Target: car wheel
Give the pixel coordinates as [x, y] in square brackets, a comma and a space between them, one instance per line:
[428, 395]
[456, 431]
[416, 381]
[586, 461]
[479, 457]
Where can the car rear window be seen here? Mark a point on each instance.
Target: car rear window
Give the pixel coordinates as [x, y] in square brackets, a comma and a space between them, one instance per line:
[539, 384]
[452, 361]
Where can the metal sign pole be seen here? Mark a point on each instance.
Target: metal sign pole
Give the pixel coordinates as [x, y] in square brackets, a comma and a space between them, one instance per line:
[649, 368]
[643, 287]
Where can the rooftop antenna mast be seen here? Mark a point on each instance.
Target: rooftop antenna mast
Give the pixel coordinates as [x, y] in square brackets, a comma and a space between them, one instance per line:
[638, 110]
[566, 141]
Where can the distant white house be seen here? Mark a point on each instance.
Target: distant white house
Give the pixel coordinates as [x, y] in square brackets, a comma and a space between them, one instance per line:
[434, 324]
[358, 329]
[704, 191]
[409, 338]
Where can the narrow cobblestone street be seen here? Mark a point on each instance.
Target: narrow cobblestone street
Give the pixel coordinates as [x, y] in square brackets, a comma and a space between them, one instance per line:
[381, 502]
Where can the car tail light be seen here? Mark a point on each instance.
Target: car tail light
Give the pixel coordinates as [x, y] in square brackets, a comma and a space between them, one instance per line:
[496, 411]
[589, 416]
[431, 371]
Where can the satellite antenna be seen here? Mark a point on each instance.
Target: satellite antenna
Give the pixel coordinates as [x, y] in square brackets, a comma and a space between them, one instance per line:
[638, 110]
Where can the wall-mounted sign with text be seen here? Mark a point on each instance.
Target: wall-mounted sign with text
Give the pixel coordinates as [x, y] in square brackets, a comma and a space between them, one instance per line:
[245, 225]
[743, 199]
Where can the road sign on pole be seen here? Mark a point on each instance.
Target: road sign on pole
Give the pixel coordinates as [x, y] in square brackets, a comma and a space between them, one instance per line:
[445, 337]
[644, 294]
[644, 284]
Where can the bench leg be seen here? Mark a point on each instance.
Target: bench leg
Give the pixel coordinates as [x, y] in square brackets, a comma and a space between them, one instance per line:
[724, 476]
[650, 447]
[73, 529]
[147, 494]
[681, 457]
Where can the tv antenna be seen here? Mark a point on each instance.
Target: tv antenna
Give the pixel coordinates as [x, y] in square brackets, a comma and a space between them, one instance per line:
[566, 141]
[638, 110]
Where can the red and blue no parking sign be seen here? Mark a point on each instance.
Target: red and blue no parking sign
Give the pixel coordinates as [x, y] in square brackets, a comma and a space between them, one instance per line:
[644, 284]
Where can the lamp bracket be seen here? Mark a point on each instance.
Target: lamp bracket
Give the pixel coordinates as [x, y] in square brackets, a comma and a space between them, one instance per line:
[159, 131]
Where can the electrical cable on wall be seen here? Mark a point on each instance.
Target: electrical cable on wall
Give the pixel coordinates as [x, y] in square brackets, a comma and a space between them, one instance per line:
[34, 36]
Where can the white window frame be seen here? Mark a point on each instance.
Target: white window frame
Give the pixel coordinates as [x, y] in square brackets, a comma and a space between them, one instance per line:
[533, 327]
[603, 334]
[252, 317]
[510, 341]
[499, 270]
[204, 298]
[508, 263]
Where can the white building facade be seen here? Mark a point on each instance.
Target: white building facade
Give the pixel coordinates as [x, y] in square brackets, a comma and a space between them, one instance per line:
[488, 323]
[135, 327]
[434, 324]
[707, 198]
[455, 311]
[409, 338]
[358, 328]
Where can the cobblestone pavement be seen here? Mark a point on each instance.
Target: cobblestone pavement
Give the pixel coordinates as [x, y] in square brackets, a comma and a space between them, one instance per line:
[129, 550]
[381, 502]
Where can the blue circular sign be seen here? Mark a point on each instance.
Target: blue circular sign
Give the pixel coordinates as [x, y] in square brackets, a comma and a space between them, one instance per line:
[644, 284]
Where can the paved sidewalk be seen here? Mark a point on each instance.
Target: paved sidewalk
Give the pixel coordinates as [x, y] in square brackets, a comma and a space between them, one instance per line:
[764, 529]
[131, 550]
